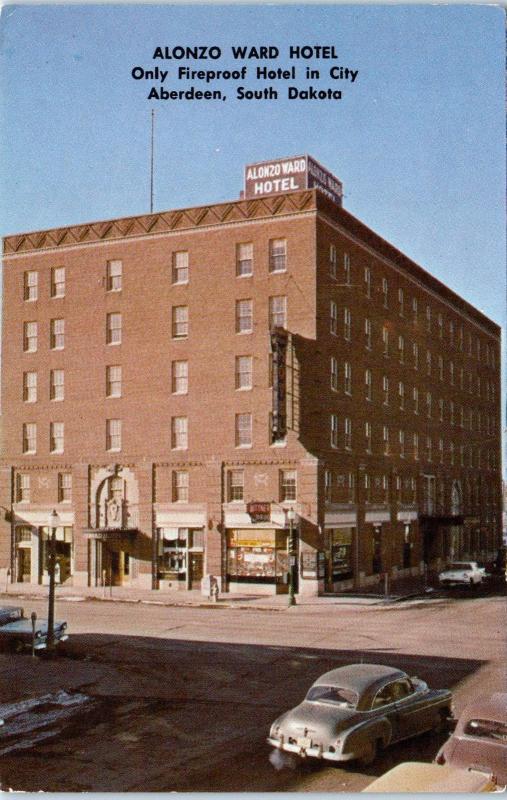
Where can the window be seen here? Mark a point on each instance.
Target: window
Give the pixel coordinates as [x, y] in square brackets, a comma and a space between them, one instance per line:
[113, 434]
[334, 430]
[287, 485]
[415, 355]
[244, 259]
[236, 485]
[451, 333]
[441, 409]
[179, 433]
[30, 337]
[428, 318]
[56, 384]
[278, 255]
[58, 282]
[440, 327]
[368, 384]
[113, 328]
[180, 267]
[244, 367]
[416, 400]
[244, 316]
[385, 292]
[64, 487]
[243, 430]
[29, 387]
[367, 281]
[22, 488]
[401, 439]
[367, 433]
[451, 454]
[428, 362]
[428, 404]
[113, 381]
[367, 333]
[328, 485]
[385, 439]
[414, 310]
[401, 395]
[487, 729]
[347, 378]
[441, 368]
[451, 412]
[56, 437]
[441, 450]
[429, 448]
[451, 373]
[460, 338]
[333, 318]
[348, 433]
[334, 374]
[416, 446]
[180, 322]
[332, 260]
[346, 324]
[278, 312]
[346, 269]
[385, 390]
[29, 437]
[180, 486]
[401, 302]
[385, 341]
[57, 334]
[114, 276]
[30, 285]
[401, 349]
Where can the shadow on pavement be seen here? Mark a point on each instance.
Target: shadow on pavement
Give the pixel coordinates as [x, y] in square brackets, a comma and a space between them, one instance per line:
[178, 715]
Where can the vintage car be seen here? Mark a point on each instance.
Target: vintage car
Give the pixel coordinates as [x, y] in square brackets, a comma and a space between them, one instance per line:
[479, 740]
[462, 573]
[352, 712]
[414, 777]
[16, 630]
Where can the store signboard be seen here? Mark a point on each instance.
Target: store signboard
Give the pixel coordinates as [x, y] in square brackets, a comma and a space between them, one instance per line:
[259, 512]
[289, 175]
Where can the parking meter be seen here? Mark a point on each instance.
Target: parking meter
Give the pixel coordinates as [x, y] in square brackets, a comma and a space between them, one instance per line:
[33, 617]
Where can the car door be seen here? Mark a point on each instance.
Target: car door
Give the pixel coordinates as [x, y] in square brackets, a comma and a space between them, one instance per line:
[384, 705]
[414, 716]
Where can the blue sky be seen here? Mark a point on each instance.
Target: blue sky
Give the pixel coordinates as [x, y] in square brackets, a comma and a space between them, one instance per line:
[418, 139]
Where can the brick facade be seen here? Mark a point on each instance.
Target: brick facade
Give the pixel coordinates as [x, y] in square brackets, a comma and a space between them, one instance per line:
[391, 457]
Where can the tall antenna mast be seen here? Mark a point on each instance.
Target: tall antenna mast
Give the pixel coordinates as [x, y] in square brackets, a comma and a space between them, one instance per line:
[151, 165]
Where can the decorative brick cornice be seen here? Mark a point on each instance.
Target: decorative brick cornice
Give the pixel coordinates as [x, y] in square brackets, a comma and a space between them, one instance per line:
[160, 222]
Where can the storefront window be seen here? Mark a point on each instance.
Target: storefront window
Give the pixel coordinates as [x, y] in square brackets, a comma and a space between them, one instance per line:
[341, 553]
[173, 553]
[257, 556]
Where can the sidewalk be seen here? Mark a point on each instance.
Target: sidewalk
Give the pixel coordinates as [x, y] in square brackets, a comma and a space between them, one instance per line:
[402, 590]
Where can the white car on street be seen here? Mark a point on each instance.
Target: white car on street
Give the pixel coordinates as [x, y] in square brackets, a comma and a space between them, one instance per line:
[462, 573]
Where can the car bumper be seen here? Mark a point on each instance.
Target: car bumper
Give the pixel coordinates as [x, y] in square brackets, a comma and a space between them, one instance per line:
[41, 644]
[310, 752]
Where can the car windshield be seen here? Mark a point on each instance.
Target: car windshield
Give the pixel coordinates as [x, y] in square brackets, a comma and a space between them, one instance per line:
[487, 728]
[333, 694]
[459, 565]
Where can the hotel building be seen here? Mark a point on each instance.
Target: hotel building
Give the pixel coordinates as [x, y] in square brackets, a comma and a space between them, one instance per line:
[174, 383]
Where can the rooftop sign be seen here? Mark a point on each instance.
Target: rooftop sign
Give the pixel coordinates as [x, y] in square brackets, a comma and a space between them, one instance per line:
[289, 175]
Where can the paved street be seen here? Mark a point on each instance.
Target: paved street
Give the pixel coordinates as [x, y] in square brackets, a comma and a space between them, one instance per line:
[181, 698]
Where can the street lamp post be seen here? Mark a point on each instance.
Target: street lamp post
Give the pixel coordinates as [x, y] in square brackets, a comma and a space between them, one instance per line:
[291, 516]
[54, 521]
